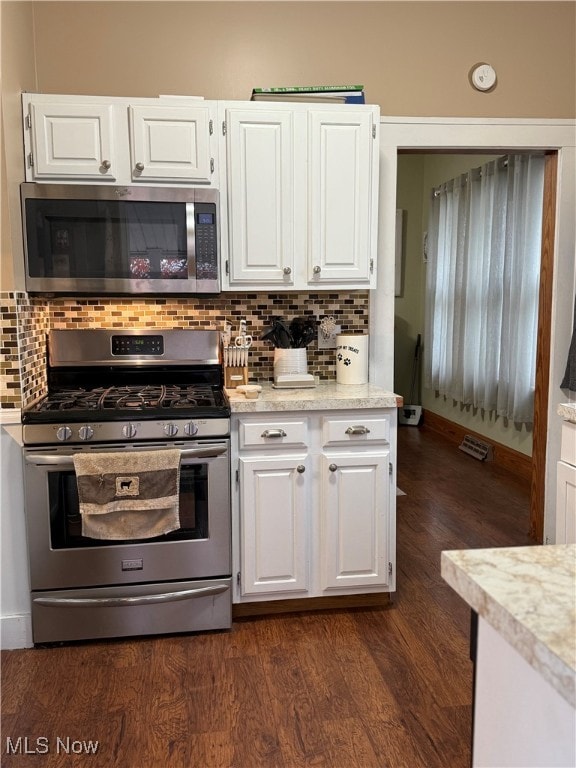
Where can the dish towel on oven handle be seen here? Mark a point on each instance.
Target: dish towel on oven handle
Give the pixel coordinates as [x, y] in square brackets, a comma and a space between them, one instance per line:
[128, 495]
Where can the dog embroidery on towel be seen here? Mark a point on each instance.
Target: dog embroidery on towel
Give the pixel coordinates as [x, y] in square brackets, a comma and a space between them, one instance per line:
[128, 486]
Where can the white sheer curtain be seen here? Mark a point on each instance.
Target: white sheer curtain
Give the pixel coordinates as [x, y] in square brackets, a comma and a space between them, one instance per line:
[484, 238]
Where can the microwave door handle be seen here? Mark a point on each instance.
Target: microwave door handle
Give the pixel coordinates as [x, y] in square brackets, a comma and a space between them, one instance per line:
[191, 239]
[187, 453]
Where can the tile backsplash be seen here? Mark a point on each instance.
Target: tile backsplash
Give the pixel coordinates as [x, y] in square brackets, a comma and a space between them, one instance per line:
[10, 386]
[26, 320]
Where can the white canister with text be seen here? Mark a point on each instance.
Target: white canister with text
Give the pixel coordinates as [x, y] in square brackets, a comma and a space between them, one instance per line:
[352, 358]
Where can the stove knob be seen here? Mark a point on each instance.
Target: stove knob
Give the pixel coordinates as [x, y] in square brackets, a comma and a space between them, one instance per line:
[170, 430]
[86, 432]
[191, 429]
[63, 433]
[128, 430]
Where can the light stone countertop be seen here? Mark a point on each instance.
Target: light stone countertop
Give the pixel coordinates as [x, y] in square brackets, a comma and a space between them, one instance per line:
[567, 411]
[326, 395]
[528, 594]
[10, 416]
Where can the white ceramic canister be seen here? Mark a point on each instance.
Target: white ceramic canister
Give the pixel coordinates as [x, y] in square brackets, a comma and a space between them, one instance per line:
[290, 361]
[352, 358]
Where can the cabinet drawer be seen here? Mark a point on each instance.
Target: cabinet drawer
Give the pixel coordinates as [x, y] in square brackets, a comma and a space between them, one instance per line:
[274, 433]
[356, 430]
[568, 444]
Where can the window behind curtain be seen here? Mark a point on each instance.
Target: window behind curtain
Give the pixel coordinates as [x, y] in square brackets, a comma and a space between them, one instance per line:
[484, 240]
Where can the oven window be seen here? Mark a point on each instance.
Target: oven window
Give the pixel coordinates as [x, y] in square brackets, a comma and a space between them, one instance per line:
[66, 520]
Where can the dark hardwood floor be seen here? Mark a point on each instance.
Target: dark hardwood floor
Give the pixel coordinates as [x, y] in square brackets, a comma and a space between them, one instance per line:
[382, 687]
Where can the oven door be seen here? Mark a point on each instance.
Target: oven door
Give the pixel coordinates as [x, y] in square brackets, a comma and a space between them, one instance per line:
[60, 557]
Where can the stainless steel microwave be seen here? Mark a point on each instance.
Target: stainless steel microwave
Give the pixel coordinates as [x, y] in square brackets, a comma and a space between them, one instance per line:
[81, 239]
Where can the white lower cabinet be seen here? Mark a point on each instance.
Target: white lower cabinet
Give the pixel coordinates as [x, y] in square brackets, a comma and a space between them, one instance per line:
[314, 504]
[274, 540]
[354, 513]
[566, 487]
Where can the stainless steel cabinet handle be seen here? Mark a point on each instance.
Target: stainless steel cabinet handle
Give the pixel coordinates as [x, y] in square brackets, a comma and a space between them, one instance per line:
[332, 467]
[358, 430]
[139, 166]
[287, 270]
[317, 270]
[106, 164]
[273, 433]
[105, 602]
[300, 468]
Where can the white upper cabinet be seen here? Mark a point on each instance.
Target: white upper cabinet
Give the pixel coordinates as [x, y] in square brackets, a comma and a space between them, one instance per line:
[84, 139]
[340, 182]
[262, 206]
[298, 182]
[302, 195]
[71, 141]
[170, 143]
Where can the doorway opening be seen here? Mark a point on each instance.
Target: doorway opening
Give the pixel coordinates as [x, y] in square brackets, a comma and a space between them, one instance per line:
[525, 445]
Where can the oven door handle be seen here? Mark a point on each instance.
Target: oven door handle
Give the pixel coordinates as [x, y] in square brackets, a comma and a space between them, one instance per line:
[108, 602]
[205, 452]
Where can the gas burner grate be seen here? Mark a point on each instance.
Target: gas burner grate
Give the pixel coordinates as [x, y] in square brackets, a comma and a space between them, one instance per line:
[130, 398]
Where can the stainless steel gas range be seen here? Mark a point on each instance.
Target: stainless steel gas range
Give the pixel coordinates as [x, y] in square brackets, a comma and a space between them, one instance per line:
[129, 391]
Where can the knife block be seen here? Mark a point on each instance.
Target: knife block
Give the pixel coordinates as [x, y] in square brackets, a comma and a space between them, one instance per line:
[234, 375]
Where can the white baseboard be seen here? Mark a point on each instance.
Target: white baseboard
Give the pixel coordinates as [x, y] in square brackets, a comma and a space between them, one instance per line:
[16, 632]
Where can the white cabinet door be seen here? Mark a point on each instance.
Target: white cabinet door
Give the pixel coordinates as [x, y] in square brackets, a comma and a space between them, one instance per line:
[302, 196]
[340, 172]
[566, 504]
[354, 520]
[264, 208]
[72, 141]
[274, 529]
[170, 143]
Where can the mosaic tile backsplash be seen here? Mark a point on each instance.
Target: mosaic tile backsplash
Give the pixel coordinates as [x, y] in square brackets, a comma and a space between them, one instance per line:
[26, 321]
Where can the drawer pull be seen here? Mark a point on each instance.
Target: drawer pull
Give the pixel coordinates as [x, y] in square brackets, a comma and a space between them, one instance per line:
[332, 467]
[358, 430]
[273, 433]
[300, 468]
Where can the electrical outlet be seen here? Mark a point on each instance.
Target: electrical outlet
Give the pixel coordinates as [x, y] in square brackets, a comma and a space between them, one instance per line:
[330, 342]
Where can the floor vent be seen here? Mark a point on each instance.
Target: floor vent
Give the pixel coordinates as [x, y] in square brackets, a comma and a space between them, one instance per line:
[476, 448]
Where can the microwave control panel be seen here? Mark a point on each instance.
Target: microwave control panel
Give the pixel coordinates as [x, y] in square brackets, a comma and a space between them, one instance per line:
[206, 241]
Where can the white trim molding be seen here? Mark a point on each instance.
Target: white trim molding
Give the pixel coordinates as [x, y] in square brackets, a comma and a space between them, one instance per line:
[488, 136]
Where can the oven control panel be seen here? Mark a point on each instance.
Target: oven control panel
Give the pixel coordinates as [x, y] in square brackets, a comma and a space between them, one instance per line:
[124, 432]
[146, 344]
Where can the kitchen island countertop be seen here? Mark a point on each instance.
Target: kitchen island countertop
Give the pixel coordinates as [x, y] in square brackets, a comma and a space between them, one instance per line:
[567, 411]
[327, 395]
[527, 594]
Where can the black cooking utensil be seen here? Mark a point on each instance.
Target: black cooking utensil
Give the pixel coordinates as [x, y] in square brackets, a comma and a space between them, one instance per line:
[278, 333]
[297, 329]
[283, 335]
[310, 331]
[269, 335]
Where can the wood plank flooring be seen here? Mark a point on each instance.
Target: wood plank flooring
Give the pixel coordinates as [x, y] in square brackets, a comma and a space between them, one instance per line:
[382, 687]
